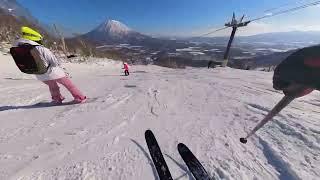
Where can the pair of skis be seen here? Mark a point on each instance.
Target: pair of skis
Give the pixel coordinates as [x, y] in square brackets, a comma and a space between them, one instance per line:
[160, 164]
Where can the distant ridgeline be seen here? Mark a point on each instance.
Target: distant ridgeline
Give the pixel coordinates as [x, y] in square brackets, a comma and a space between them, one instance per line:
[10, 26]
[259, 62]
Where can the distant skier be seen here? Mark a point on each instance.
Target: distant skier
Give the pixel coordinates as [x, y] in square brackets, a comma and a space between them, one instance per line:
[214, 63]
[209, 64]
[126, 69]
[299, 74]
[32, 57]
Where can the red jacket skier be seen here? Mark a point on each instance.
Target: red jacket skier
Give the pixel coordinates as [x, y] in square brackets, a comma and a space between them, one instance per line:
[126, 69]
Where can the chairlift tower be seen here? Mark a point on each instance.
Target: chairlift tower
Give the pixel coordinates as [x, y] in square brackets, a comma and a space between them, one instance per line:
[234, 24]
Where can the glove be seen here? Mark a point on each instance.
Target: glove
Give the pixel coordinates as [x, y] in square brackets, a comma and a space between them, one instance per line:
[297, 90]
[299, 73]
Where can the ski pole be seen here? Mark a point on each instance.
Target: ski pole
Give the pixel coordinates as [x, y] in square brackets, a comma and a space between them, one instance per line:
[282, 104]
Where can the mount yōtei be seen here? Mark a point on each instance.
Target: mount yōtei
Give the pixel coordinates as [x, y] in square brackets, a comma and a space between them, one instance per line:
[113, 32]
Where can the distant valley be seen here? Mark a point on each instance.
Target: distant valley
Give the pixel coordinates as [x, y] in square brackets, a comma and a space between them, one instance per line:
[114, 39]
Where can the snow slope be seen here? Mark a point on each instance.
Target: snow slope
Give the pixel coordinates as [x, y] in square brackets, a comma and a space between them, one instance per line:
[208, 110]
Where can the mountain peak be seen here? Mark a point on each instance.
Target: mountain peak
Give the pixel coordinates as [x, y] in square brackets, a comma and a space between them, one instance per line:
[114, 27]
[113, 32]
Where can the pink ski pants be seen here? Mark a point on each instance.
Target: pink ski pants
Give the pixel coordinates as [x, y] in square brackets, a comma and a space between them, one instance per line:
[66, 82]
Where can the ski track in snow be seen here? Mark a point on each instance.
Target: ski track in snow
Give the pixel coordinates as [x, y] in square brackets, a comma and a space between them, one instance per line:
[208, 110]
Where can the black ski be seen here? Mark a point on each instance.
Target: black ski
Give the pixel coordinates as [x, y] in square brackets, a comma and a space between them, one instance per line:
[193, 163]
[157, 157]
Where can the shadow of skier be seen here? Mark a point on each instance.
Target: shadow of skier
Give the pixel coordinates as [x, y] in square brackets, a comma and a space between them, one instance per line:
[154, 170]
[34, 106]
[182, 167]
[130, 86]
[46, 105]
[19, 79]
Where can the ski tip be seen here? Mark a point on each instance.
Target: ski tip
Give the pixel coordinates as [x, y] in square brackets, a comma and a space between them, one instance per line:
[181, 145]
[182, 148]
[243, 140]
[148, 132]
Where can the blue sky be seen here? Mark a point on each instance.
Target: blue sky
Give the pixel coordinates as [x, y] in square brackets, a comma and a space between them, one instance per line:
[171, 17]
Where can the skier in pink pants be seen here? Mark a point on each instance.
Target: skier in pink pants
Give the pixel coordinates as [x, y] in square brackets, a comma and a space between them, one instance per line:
[66, 82]
[33, 58]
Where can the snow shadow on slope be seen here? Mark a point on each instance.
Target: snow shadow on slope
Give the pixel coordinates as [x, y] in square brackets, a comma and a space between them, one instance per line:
[130, 86]
[311, 103]
[33, 106]
[45, 105]
[261, 110]
[285, 172]
[19, 79]
[113, 75]
[154, 170]
[139, 72]
[185, 169]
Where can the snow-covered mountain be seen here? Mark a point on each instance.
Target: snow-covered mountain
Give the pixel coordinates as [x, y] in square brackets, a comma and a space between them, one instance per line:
[112, 31]
[114, 28]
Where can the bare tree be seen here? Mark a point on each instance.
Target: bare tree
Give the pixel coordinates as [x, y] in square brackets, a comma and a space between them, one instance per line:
[86, 50]
[63, 43]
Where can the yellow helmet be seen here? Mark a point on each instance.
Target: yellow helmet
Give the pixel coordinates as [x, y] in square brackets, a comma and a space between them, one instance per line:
[30, 34]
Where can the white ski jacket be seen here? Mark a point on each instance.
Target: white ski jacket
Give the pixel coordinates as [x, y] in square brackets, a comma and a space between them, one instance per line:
[54, 71]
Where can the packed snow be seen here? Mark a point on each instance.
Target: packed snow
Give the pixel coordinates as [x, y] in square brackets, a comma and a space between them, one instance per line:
[208, 110]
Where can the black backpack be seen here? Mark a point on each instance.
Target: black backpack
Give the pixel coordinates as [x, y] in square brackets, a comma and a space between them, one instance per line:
[28, 60]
